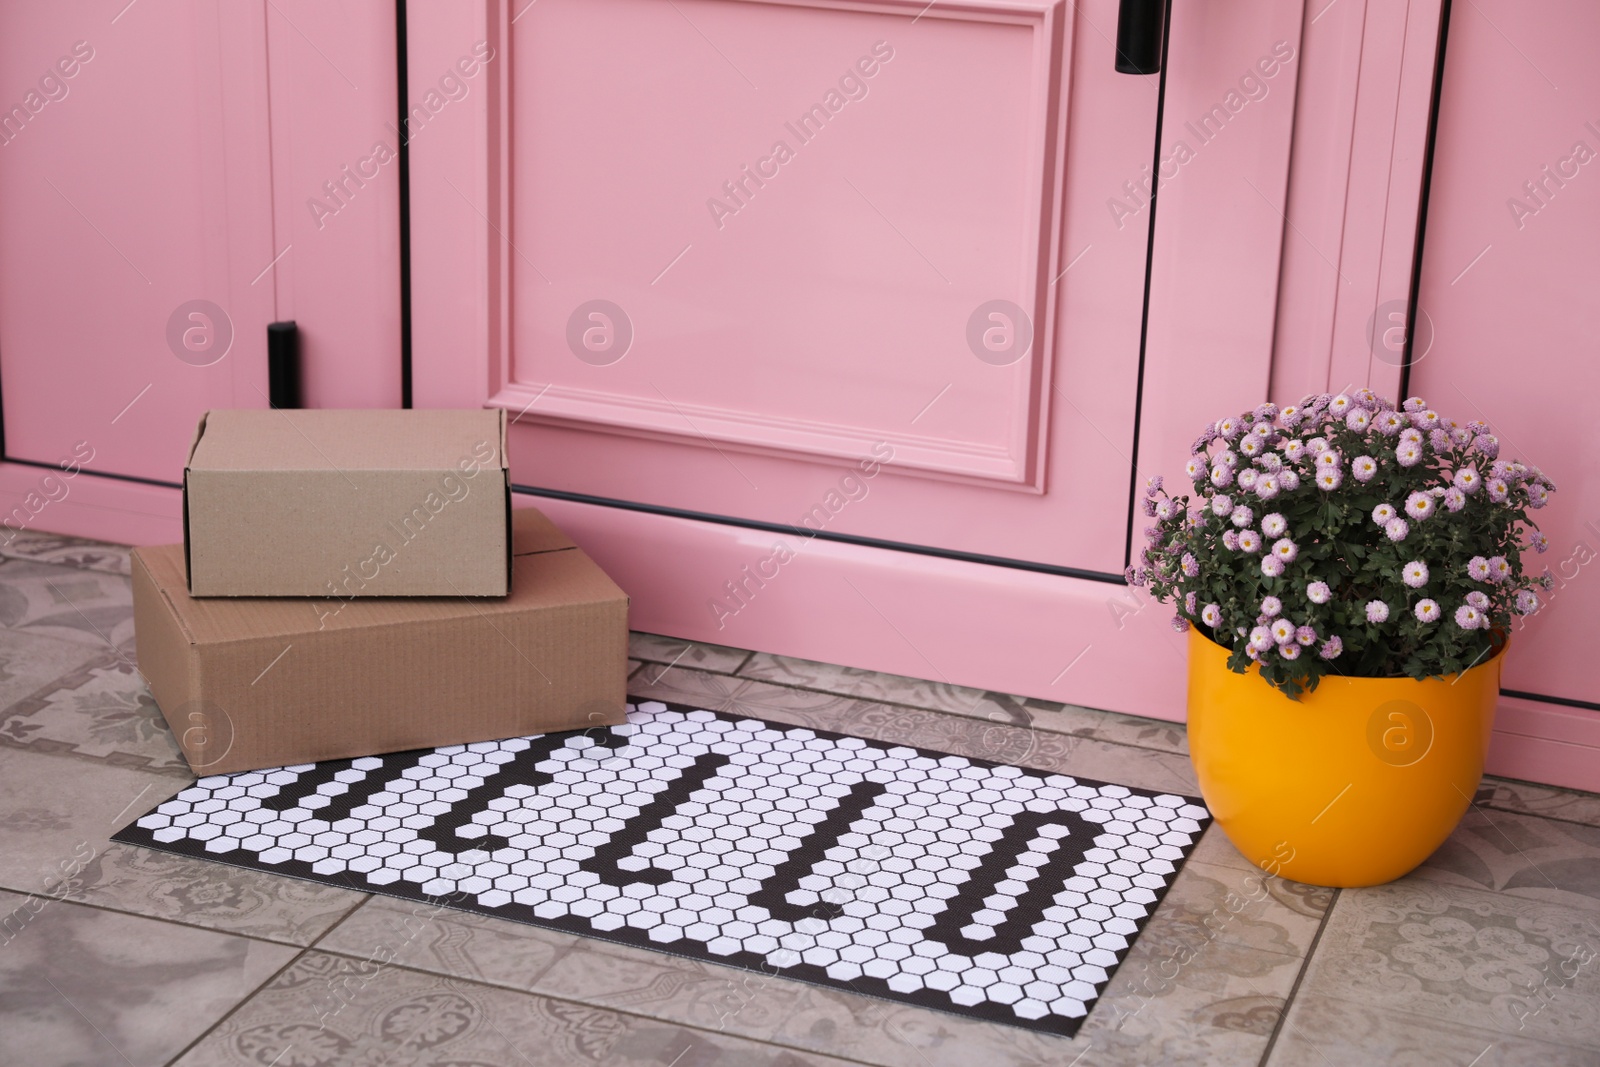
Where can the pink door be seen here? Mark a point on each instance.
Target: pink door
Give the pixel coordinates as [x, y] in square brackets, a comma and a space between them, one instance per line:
[839, 307]
[1508, 317]
[164, 173]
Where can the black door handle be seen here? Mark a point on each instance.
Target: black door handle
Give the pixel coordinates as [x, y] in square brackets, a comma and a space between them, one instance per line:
[1139, 25]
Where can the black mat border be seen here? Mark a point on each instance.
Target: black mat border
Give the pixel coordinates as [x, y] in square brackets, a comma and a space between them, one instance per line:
[877, 988]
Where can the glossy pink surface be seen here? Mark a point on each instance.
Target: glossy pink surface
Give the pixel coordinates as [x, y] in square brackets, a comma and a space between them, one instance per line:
[1511, 304]
[564, 153]
[873, 246]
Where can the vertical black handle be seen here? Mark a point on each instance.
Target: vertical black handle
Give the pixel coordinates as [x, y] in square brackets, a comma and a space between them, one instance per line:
[1139, 24]
[283, 364]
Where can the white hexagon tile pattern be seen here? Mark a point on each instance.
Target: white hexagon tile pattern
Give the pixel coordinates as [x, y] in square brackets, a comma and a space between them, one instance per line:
[983, 889]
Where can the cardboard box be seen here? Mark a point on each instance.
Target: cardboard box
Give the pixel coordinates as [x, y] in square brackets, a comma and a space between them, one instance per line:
[348, 503]
[275, 682]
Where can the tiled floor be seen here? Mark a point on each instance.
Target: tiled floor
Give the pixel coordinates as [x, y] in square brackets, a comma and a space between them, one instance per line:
[113, 955]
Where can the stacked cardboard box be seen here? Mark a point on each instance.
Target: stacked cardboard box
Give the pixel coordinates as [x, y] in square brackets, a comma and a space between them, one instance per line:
[356, 582]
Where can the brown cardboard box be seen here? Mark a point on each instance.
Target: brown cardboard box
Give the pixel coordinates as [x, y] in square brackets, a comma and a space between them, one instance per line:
[348, 503]
[275, 682]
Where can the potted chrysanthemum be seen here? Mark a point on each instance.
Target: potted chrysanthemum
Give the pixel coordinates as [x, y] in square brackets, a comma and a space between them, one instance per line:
[1348, 571]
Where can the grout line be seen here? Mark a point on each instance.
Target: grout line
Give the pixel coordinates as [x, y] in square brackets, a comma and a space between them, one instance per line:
[1288, 1001]
[614, 1009]
[738, 672]
[161, 918]
[954, 714]
[340, 921]
[1536, 815]
[247, 998]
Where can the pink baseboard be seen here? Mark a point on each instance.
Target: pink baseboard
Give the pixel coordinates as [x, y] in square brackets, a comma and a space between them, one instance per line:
[108, 509]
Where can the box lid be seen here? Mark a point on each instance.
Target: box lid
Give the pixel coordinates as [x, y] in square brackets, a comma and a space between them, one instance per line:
[321, 440]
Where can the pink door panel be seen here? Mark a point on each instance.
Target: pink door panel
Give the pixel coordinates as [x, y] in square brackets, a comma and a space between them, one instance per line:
[1509, 309]
[761, 338]
[135, 214]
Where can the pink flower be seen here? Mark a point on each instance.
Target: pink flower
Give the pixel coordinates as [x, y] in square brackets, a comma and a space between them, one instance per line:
[1498, 490]
[1396, 529]
[1454, 499]
[1188, 603]
[1195, 468]
[1271, 566]
[1289, 651]
[1267, 486]
[1415, 403]
[1180, 624]
[1221, 475]
[1285, 549]
[1363, 467]
[1340, 404]
[1288, 480]
[1467, 479]
[1427, 610]
[1271, 606]
[1283, 631]
[1261, 639]
[1331, 648]
[1222, 504]
[1247, 478]
[1415, 574]
[1274, 525]
[1305, 635]
[1211, 615]
[1391, 423]
[1383, 513]
[1377, 611]
[1468, 617]
[1328, 459]
[1228, 428]
[1539, 541]
[1357, 420]
[1408, 454]
[1538, 495]
[1228, 459]
[1293, 450]
[1478, 599]
[1249, 541]
[1190, 565]
[1527, 602]
[1164, 509]
[1419, 505]
[1478, 568]
[1329, 479]
[1230, 540]
[1499, 569]
[1242, 516]
[1318, 592]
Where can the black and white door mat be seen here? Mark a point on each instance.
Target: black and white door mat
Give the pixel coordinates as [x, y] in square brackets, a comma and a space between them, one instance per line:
[977, 888]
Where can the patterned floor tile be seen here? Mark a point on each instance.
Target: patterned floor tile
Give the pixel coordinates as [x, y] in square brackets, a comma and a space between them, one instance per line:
[1521, 856]
[56, 818]
[998, 708]
[855, 682]
[1481, 963]
[1529, 799]
[1332, 1031]
[84, 986]
[64, 551]
[87, 606]
[27, 663]
[672, 652]
[330, 1011]
[100, 710]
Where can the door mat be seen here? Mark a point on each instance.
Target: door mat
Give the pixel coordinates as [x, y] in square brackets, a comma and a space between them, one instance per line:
[977, 888]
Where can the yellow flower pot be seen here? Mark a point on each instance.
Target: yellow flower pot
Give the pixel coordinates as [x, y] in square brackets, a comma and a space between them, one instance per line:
[1353, 785]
